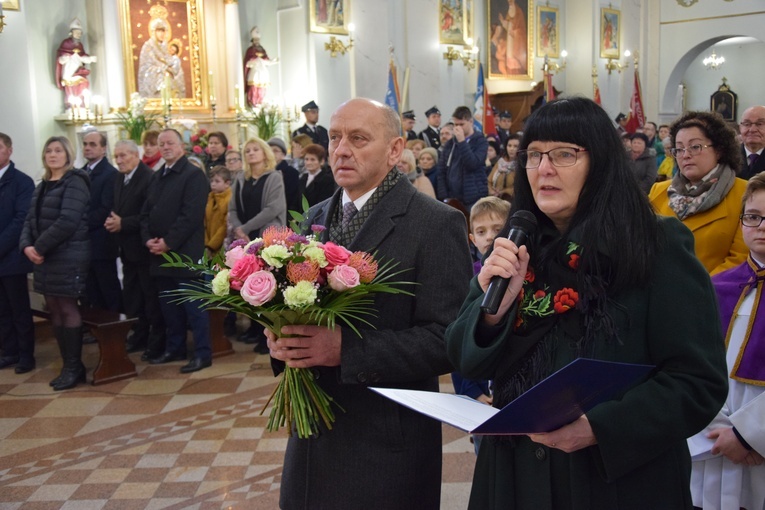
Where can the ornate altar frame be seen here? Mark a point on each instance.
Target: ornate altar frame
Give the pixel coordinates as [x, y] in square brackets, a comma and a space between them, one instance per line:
[725, 102]
[186, 23]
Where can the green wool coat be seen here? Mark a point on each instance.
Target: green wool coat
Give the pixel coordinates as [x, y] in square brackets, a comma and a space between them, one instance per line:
[641, 460]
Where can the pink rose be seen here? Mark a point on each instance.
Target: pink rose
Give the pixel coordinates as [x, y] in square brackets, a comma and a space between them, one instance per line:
[335, 255]
[194, 138]
[259, 288]
[343, 278]
[243, 268]
[196, 149]
[233, 255]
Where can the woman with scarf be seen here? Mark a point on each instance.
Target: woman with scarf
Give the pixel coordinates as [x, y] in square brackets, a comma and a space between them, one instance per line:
[595, 281]
[502, 176]
[705, 194]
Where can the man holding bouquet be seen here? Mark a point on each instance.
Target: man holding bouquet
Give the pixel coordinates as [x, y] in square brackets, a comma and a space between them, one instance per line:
[378, 454]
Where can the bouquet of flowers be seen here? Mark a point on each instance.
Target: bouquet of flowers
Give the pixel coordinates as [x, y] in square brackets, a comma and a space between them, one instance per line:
[134, 120]
[198, 143]
[266, 119]
[284, 278]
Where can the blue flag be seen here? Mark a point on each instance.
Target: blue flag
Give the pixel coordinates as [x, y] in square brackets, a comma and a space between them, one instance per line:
[479, 103]
[392, 95]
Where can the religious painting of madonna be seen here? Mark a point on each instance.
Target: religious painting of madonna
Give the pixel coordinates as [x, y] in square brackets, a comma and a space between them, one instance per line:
[511, 31]
[330, 16]
[164, 56]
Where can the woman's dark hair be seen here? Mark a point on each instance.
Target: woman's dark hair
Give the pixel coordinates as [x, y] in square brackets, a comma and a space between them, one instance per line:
[641, 136]
[221, 138]
[717, 130]
[613, 215]
[511, 136]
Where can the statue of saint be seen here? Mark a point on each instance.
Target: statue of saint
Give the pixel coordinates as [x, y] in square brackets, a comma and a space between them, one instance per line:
[71, 59]
[256, 75]
[154, 60]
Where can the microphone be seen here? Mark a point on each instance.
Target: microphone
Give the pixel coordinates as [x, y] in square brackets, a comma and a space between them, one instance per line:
[522, 225]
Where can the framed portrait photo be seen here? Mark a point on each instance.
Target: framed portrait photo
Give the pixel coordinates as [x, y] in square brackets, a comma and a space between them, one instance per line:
[330, 16]
[163, 44]
[10, 5]
[455, 21]
[511, 36]
[610, 33]
[548, 42]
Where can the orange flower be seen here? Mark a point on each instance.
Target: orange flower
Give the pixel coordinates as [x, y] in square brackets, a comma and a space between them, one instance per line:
[530, 277]
[364, 264]
[307, 271]
[276, 235]
[539, 294]
[565, 299]
[573, 261]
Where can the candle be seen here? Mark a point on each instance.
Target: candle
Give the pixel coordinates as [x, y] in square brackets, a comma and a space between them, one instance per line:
[236, 96]
[166, 90]
[211, 87]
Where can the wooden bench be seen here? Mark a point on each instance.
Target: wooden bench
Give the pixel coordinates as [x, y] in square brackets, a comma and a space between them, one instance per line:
[110, 330]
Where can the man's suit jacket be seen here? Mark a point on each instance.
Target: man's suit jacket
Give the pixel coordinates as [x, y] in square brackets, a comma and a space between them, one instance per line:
[319, 136]
[128, 202]
[102, 245]
[321, 187]
[175, 210]
[16, 190]
[342, 468]
[431, 136]
[759, 165]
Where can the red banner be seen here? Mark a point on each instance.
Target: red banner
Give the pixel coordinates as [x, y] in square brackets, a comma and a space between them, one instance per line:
[636, 117]
[596, 92]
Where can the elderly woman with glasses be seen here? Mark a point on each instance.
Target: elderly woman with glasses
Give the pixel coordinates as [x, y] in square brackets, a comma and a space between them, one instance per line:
[705, 194]
[595, 280]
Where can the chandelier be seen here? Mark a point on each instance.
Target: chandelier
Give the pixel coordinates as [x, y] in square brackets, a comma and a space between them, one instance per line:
[713, 61]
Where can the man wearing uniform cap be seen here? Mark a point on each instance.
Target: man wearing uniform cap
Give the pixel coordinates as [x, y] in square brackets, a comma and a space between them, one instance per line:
[503, 130]
[407, 122]
[432, 133]
[621, 123]
[311, 127]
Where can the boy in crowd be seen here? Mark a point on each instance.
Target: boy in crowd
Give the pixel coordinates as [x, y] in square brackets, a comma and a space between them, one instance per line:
[487, 217]
[216, 211]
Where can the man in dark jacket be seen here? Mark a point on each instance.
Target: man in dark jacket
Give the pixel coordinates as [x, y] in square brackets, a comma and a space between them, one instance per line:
[138, 290]
[378, 454]
[317, 133]
[172, 219]
[17, 339]
[462, 164]
[102, 285]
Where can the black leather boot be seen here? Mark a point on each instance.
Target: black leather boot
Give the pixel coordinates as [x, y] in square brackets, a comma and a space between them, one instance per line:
[61, 349]
[74, 370]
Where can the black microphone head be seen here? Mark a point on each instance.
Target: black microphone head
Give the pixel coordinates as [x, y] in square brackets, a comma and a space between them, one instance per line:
[524, 220]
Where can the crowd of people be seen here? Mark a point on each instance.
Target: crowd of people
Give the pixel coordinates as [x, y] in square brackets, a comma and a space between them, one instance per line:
[641, 235]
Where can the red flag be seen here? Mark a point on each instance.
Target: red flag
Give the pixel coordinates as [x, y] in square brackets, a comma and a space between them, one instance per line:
[596, 91]
[636, 117]
[549, 89]
[489, 126]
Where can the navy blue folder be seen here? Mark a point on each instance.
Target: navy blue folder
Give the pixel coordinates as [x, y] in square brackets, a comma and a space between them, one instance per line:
[564, 396]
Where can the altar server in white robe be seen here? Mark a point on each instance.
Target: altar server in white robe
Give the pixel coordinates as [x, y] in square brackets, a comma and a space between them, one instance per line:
[728, 468]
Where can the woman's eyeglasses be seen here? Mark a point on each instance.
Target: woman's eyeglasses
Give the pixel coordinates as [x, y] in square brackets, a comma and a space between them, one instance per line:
[561, 157]
[693, 150]
[751, 220]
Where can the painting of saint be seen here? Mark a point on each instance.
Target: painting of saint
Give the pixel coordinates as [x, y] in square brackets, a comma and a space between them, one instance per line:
[509, 52]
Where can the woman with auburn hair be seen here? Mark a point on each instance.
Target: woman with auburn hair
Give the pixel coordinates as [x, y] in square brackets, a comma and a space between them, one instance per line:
[151, 156]
[55, 239]
[705, 193]
[257, 202]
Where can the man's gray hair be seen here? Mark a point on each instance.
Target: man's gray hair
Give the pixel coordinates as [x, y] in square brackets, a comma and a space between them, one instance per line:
[130, 145]
[392, 122]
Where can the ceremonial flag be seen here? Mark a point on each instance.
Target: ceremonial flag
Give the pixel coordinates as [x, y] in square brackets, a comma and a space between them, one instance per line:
[636, 117]
[549, 89]
[596, 91]
[483, 117]
[392, 96]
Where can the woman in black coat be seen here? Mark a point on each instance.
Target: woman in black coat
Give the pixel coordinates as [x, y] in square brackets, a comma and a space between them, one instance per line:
[55, 239]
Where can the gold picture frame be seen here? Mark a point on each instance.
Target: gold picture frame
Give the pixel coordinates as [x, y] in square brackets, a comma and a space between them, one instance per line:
[455, 21]
[516, 62]
[610, 33]
[10, 5]
[184, 24]
[329, 16]
[548, 32]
